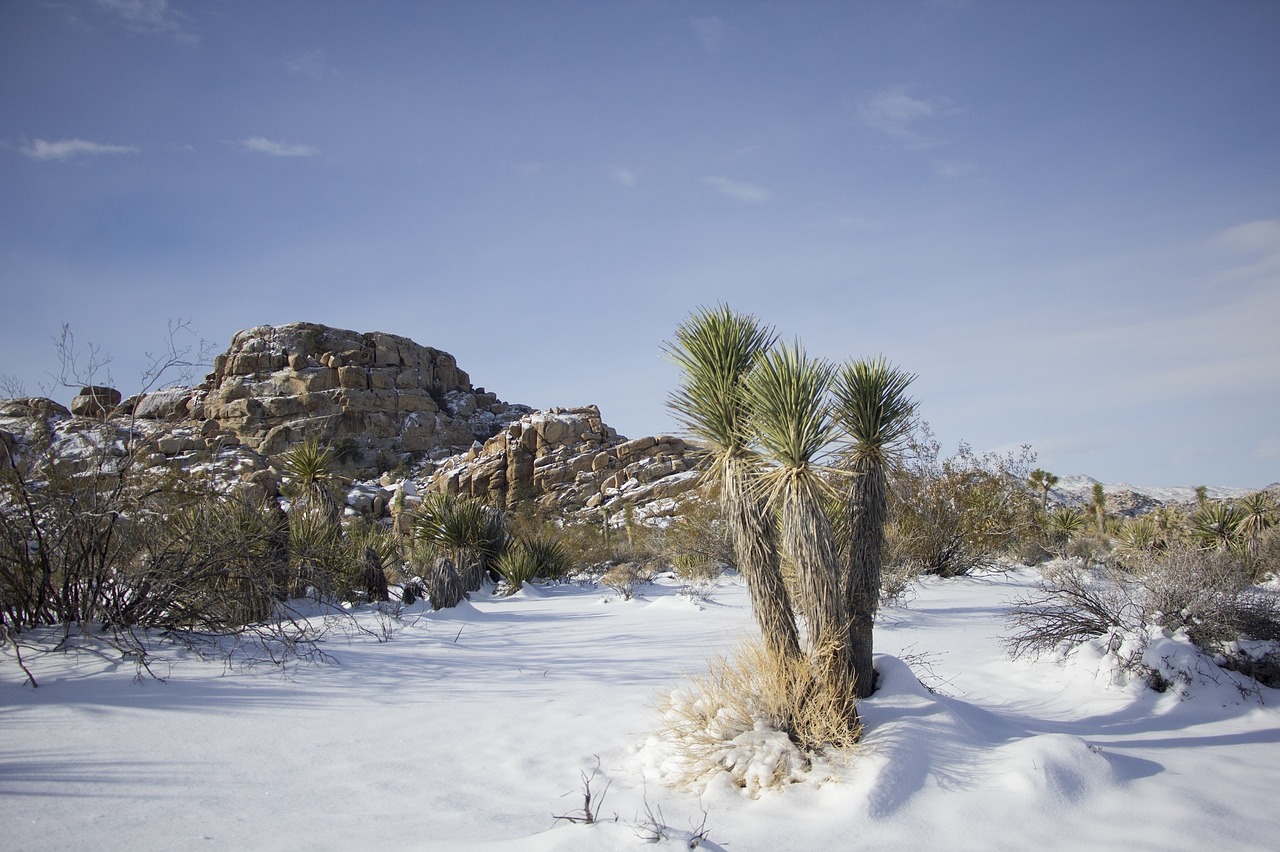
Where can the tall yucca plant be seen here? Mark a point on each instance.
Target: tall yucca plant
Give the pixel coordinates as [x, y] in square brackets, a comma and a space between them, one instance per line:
[786, 396]
[873, 410]
[715, 349]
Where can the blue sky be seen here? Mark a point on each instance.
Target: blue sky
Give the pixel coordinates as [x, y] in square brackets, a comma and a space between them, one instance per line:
[1064, 217]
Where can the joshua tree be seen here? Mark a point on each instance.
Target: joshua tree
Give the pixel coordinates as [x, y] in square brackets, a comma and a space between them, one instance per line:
[715, 349]
[1042, 481]
[872, 407]
[1099, 506]
[787, 398]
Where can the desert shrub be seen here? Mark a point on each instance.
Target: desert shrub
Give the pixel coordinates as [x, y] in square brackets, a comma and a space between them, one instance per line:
[1089, 547]
[950, 516]
[1265, 560]
[758, 716]
[698, 574]
[699, 532]
[627, 579]
[896, 580]
[1206, 595]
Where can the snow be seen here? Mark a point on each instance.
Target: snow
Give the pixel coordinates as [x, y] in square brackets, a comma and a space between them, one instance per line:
[472, 728]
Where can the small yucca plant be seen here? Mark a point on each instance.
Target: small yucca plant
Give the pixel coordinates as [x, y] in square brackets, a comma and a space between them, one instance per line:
[312, 477]
[473, 531]
[1215, 526]
[531, 558]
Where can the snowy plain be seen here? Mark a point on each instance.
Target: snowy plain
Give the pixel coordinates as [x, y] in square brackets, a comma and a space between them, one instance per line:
[473, 728]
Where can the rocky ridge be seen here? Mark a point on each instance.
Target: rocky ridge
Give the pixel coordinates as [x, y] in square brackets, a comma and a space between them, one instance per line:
[384, 402]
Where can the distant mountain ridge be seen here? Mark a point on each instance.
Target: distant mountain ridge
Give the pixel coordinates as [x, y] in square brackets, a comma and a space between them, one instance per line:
[1127, 499]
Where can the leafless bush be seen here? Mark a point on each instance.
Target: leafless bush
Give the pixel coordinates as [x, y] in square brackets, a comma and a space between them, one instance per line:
[1206, 594]
[627, 579]
[1072, 606]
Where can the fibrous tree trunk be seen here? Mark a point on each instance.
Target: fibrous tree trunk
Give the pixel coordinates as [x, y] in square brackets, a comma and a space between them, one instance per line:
[867, 507]
[755, 547]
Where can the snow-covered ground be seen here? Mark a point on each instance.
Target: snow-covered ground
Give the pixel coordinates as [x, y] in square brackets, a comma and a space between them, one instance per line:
[472, 728]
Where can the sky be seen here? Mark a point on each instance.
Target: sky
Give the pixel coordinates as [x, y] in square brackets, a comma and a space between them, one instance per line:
[1063, 217]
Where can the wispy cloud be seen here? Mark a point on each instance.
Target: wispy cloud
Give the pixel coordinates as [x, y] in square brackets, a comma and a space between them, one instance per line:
[626, 177]
[1260, 236]
[896, 112]
[952, 169]
[313, 64]
[738, 190]
[710, 32]
[65, 149]
[277, 149]
[150, 17]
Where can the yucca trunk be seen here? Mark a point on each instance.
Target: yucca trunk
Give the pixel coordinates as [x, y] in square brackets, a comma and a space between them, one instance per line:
[809, 544]
[868, 510]
[755, 548]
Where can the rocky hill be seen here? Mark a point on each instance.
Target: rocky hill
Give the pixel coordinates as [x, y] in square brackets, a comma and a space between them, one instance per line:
[383, 401]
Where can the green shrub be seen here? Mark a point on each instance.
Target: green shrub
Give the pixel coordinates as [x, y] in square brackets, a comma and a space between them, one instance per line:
[530, 558]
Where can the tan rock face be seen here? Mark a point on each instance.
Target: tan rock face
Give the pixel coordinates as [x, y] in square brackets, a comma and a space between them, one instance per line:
[568, 459]
[375, 396]
[95, 402]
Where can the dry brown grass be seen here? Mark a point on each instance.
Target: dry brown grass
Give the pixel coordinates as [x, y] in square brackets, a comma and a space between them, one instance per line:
[758, 716]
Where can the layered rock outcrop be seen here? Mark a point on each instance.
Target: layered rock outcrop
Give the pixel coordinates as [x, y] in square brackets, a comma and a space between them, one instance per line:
[376, 397]
[569, 459]
[382, 401]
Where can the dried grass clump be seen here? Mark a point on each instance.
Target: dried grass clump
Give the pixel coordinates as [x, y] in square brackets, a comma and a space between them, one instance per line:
[757, 716]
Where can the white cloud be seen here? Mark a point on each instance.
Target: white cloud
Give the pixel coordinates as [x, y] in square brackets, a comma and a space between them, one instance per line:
[1260, 236]
[150, 17]
[738, 190]
[277, 149]
[895, 112]
[65, 149]
[312, 64]
[710, 32]
[626, 177]
[952, 169]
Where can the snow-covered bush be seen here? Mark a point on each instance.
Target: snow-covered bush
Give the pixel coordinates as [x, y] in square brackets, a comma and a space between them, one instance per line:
[1201, 598]
[755, 720]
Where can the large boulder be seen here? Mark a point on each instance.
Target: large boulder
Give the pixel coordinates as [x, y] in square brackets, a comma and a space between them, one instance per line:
[95, 401]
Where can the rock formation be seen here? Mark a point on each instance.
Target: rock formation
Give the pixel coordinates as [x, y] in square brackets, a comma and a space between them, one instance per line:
[568, 459]
[382, 401]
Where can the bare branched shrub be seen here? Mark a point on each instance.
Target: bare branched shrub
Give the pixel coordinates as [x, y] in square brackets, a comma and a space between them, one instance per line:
[1071, 606]
[627, 579]
[699, 533]
[1206, 594]
[759, 716]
